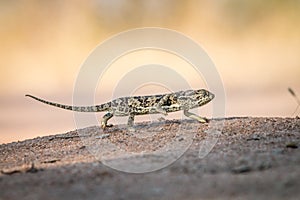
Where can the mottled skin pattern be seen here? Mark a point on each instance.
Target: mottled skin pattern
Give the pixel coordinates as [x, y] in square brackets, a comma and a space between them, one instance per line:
[141, 105]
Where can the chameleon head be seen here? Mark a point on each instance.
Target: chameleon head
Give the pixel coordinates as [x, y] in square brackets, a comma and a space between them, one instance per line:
[203, 96]
[195, 98]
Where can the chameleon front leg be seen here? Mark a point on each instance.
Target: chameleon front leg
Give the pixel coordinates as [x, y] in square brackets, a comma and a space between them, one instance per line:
[130, 123]
[194, 116]
[161, 102]
[104, 120]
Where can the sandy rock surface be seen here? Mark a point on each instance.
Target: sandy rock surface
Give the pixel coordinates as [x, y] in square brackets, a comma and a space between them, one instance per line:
[235, 158]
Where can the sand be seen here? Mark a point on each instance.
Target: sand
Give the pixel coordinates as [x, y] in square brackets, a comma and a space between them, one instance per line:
[234, 158]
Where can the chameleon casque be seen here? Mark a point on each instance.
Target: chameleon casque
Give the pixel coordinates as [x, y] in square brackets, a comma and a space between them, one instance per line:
[141, 105]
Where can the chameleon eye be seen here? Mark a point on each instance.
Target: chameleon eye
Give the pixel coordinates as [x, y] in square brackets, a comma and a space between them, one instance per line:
[202, 92]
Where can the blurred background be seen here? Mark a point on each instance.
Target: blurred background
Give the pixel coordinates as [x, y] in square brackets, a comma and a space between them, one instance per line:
[255, 46]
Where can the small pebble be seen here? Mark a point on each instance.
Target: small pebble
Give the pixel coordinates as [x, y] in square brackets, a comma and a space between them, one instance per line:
[292, 145]
[255, 137]
[241, 169]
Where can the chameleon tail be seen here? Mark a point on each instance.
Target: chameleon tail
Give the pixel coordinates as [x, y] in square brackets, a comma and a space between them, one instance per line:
[96, 108]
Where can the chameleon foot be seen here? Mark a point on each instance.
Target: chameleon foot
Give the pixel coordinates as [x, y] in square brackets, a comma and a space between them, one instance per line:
[104, 125]
[196, 117]
[131, 129]
[203, 120]
[104, 120]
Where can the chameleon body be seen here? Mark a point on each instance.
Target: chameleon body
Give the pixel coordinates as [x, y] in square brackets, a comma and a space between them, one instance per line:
[141, 105]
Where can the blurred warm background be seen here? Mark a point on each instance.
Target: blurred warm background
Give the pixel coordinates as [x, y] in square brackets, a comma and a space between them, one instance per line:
[255, 45]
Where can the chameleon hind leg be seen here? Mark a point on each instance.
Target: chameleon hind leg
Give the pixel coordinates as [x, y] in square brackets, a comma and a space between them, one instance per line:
[130, 123]
[194, 116]
[104, 120]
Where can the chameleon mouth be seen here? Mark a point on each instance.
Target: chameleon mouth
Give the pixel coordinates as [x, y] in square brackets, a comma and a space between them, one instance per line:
[211, 96]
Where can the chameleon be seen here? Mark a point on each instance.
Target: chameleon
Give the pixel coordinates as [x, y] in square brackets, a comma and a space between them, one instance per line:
[141, 105]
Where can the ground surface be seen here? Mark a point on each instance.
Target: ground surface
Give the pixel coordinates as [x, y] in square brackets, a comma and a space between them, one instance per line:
[253, 158]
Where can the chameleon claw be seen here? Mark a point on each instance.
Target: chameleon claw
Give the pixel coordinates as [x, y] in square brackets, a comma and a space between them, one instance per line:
[104, 126]
[203, 120]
